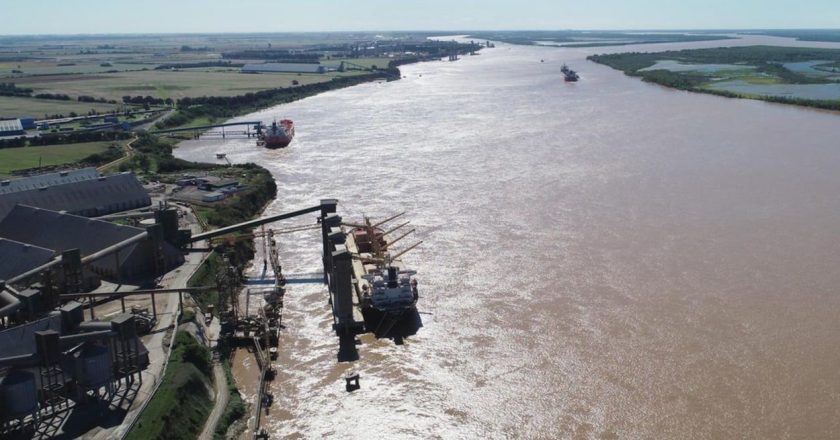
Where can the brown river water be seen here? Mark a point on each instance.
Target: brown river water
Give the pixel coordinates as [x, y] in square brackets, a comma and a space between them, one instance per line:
[609, 259]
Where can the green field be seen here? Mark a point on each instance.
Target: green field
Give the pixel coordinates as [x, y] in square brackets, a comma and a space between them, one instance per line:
[18, 71]
[52, 68]
[110, 67]
[790, 75]
[166, 84]
[15, 107]
[28, 157]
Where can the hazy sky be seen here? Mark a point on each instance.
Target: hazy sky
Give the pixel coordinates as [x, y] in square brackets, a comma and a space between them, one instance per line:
[152, 16]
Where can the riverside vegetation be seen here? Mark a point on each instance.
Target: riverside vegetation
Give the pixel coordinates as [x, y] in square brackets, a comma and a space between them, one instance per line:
[593, 38]
[750, 64]
[183, 401]
[212, 108]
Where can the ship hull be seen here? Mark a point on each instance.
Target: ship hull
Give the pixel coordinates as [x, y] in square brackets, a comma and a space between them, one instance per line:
[273, 143]
[392, 325]
[278, 135]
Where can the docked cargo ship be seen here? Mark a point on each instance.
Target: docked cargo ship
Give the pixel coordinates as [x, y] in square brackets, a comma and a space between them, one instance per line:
[278, 135]
[389, 294]
[389, 305]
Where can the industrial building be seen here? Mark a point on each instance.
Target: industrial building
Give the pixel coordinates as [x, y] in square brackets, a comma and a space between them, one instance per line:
[60, 232]
[86, 197]
[55, 368]
[211, 183]
[49, 365]
[285, 68]
[11, 127]
[52, 362]
[213, 196]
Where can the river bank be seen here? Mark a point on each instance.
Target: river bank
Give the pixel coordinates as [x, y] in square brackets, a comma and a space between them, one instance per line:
[801, 76]
[207, 110]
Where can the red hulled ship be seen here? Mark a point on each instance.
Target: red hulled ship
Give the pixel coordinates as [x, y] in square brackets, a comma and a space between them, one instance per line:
[278, 135]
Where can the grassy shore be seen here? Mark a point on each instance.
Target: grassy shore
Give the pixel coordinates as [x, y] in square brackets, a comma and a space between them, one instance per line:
[236, 406]
[197, 111]
[183, 402]
[754, 65]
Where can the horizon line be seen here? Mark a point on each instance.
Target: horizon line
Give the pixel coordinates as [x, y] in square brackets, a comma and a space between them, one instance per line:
[425, 31]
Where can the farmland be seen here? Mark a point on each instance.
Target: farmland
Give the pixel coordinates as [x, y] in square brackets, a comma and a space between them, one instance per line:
[56, 76]
[12, 159]
[13, 107]
[167, 84]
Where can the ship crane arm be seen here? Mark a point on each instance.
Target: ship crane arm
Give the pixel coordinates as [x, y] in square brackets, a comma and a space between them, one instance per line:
[386, 260]
[395, 228]
[391, 243]
[405, 251]
[389, 219]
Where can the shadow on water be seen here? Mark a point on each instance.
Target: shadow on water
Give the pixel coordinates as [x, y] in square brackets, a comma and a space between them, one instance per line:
[383, 326]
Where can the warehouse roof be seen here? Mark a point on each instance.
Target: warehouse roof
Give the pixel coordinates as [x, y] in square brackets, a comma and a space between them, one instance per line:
[17, 258]
[41, 180]
[11, 125]
[93, 197]
[61, 231]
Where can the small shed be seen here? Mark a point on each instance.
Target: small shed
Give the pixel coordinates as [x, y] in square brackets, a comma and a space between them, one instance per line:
[213, 196]
[218, 184]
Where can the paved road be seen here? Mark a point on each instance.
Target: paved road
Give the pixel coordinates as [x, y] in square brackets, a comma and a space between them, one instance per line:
[222, 397]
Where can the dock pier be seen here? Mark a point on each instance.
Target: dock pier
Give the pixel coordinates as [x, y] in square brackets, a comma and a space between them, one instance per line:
[343, 273]
[203, 130]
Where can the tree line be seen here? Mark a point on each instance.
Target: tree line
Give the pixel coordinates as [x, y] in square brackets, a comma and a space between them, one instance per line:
[147, 100]
[72, 137]
[10, 89]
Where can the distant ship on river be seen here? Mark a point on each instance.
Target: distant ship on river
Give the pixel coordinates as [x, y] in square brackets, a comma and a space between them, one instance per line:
[278, 135]
[569, 75]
